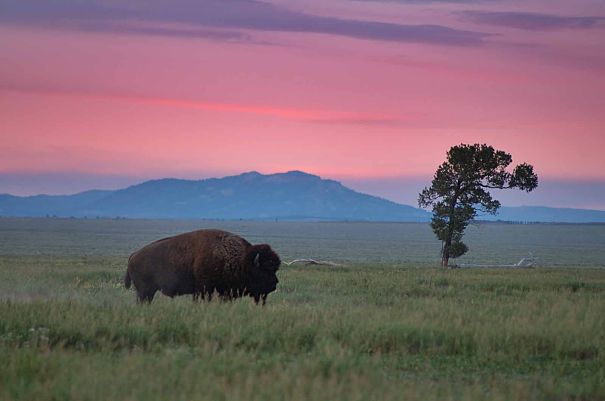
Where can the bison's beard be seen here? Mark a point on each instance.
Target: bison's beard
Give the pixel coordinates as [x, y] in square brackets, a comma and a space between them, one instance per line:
[265, 287]
[262, 285]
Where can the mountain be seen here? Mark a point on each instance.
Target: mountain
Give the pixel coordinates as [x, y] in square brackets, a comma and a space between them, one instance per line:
[542, 214]
[294, 195]
[42, 205]
[291, 195]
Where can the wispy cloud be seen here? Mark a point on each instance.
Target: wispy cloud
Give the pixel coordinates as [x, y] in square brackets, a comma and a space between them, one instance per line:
[361, 120]
[298, 114]
[531, 21]
[175, 30]
[235, 14]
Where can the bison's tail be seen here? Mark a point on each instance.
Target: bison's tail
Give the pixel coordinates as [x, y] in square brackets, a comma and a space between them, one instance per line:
[127, 281]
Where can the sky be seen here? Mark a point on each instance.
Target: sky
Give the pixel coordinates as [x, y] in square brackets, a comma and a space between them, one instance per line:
[107, 93]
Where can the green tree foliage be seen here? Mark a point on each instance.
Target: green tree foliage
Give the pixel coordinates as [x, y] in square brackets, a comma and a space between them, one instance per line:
[460, 189]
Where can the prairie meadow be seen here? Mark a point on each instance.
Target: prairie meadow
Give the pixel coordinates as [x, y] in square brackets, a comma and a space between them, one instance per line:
[386, 324]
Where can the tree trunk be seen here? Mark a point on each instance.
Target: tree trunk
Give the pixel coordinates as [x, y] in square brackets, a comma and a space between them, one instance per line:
[445, 253]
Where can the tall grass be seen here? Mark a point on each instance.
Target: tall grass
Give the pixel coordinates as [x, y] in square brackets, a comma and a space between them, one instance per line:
[364, 331]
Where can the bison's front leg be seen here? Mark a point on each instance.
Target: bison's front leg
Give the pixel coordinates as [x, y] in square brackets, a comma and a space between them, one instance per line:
[260, 297]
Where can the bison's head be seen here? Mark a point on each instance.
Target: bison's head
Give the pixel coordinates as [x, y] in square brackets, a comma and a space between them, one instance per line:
[263, 264]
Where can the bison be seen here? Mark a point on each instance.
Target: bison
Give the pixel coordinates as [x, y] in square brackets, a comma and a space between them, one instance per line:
[201, 263]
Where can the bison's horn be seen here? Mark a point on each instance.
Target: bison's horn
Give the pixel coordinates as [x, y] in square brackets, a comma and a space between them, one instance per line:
[257, 260]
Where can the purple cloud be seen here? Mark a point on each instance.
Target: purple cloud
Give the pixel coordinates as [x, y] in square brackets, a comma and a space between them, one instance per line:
[234, 14]
[531, 21]
[183, 32]
[430, 1]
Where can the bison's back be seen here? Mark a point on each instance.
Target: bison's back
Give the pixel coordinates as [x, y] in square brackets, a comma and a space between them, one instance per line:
[210, 259]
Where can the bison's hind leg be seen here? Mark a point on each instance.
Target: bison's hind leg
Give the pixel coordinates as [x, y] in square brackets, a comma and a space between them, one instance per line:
[145, 295]
[262, 298]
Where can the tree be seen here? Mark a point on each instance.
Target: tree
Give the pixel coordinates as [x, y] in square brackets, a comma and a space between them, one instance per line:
[460, 189]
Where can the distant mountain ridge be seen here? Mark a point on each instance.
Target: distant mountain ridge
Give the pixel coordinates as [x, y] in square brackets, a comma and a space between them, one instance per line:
[294, 195]
[543, 214]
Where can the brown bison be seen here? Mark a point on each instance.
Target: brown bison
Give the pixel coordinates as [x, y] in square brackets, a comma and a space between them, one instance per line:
[201, 263]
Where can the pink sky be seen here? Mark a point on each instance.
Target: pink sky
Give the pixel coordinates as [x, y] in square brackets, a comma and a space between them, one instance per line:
[220, 88]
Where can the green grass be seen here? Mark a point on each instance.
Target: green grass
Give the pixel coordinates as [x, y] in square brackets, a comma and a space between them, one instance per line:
[370, 330]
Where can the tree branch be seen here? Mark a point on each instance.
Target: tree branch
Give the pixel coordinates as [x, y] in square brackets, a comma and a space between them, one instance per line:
[495, 186]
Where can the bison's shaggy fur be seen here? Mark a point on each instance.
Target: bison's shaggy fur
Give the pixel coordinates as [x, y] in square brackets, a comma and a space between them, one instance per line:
[201, 263]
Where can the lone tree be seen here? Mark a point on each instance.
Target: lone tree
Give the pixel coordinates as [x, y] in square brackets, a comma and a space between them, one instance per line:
[459, 191]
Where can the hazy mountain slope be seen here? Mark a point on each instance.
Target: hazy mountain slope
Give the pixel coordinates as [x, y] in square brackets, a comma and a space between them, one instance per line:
[292, 195]
[549, 214]
[42, 205]
[253, 195]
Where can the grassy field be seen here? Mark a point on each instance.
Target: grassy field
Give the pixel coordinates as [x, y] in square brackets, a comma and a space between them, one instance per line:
[387, 325]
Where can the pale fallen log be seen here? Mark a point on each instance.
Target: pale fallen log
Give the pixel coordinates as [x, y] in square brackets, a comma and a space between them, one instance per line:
[524, 263]
[312, 262]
